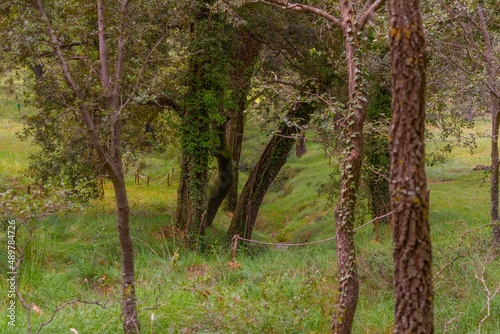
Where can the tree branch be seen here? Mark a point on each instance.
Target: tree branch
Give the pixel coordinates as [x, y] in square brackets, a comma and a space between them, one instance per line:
[103, 52]
[298, 7]
[367, 16]
[87, 120]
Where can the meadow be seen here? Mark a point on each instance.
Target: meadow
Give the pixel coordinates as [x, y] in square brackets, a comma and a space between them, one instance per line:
[75, 255]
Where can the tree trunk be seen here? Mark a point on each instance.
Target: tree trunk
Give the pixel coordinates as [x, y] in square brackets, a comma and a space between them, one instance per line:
[494, 100]
[409, 202]
[300, 146]
[130, 316]
[352, 139]
[247, 49]
[196, 129]
[271, 160]
[495, 115]
[235, 128]
[191, 194]
[224, 180]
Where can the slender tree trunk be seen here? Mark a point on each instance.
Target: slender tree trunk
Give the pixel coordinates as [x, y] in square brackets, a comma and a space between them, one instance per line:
[247, 49]
[495, 115]
[271, 160]
[130, 316]
[110, 158]
[234, 128]
[494, 107]
[224, 180]
[409, 202]
[300, 146]
[352, 139]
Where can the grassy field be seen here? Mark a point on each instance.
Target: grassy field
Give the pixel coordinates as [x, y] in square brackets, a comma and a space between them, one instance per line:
[285, 290]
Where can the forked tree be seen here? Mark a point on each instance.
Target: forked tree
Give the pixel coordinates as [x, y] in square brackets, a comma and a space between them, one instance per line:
[409, 201]
[110, 72]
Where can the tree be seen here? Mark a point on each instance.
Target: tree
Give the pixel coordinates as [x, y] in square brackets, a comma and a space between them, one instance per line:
[351, 23]
[271, 160]
[95, 84]
[201, 116]
[244, 54]
[110, 156]
[409, 200]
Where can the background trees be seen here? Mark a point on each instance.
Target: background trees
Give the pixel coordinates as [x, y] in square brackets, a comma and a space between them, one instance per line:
[478, 26]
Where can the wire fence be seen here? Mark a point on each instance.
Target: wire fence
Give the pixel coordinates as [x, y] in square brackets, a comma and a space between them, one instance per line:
[236, 238]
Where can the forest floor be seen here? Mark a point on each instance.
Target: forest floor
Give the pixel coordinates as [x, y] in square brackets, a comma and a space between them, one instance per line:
[273, 290]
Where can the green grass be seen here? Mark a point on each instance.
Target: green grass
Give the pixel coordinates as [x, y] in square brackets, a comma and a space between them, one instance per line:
[284, 290]
[13, 151]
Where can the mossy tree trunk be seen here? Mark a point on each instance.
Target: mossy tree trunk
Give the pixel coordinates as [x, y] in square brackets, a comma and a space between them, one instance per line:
[271, 160]
[202, 112]
[410, 206]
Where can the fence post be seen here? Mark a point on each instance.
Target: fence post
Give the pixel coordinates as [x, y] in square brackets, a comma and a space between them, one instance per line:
[234, 247]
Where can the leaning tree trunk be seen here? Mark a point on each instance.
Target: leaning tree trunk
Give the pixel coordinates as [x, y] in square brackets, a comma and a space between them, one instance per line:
[224, 179]
[410, 205]
[271, 160]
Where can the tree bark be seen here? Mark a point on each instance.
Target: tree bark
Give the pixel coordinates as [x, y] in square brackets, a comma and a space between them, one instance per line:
[495, 115]
[409, 202]
[224, 180]
[271, 160]
[130, 315]
[246, 52]
[352, 140]
[300, 146]
[196, 130]
[234, 128]
[494, 106]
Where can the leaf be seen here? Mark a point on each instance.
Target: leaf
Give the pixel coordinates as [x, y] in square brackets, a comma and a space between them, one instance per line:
[234, 265]
[36, 309]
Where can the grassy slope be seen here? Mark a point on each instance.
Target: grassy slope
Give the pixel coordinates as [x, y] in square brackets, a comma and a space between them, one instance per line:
[274, 290]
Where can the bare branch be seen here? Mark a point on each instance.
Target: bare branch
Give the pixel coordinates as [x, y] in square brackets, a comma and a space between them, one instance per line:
[87, 120]
[121, 46]
[370, 12]
[298, 7]
[103, 52]
[489, 294]
[74, 301]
